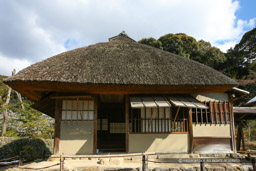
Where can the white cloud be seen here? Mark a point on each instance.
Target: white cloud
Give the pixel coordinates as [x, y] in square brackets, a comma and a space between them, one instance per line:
[34, 30]
[7, 65]
[225, 46]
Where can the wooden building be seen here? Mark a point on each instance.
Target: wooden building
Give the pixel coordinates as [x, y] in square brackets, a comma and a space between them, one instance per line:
[128, 97]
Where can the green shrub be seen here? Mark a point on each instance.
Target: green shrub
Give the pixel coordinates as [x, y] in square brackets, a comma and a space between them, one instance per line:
[32, 149]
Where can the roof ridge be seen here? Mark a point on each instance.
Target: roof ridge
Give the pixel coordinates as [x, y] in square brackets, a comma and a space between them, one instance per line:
[122, 34]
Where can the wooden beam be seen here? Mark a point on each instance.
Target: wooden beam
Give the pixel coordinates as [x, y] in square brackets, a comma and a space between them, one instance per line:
[45, 105]
[116, 89]
[96, 101]
[57, 126]
[190, 131]
[33, 95]
[176, 115]
[72, 97]
[127, 110]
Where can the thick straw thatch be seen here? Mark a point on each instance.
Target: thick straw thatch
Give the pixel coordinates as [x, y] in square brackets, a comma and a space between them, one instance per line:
[122, 61]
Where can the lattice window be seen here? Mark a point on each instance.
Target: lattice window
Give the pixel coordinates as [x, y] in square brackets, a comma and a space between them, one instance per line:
[218, 113]
[75, 110]
[158, 120]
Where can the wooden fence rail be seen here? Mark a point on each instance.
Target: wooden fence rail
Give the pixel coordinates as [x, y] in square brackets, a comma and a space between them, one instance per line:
[145, 160]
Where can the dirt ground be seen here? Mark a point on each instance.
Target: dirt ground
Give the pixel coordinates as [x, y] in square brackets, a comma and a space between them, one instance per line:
[250, 145]
[114, 165]
[121, 164]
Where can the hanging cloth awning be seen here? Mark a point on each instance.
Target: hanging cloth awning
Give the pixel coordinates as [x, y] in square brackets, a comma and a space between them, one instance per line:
[147, 101]
[186, 101]
[162, 101]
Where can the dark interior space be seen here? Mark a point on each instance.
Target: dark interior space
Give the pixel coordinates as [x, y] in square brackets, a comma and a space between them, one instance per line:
[111, 127]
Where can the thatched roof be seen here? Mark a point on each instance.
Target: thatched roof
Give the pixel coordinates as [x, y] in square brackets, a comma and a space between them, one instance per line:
[121, 61]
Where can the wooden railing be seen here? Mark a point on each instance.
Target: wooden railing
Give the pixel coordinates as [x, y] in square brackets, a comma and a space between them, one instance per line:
[158, 125]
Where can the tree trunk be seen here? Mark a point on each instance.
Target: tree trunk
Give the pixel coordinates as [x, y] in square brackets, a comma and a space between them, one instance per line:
[5, 113]
[5, 122]
[20, 99]
[18, 94]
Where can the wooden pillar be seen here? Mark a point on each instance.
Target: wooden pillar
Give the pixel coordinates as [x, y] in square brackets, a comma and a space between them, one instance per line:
[232, 124]
[127, 110]
[95, 124]
[57, 125]
[243, 139]
[190, 131]
[239, 136]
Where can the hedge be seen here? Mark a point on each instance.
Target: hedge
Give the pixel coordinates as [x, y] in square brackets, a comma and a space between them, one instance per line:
[32, 148]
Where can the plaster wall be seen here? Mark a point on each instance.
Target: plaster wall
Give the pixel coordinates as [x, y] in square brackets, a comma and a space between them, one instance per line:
[76, 137]
[161, 143]
[211, 130]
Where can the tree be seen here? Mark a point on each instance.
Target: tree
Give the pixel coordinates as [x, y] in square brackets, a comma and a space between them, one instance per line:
[5, 112]
[235, 66]
[187, 46]
[151, 42]
[5, 107]
[180, 44]
[19, 118]
[34, 123]
[240, 59]
[209, 55]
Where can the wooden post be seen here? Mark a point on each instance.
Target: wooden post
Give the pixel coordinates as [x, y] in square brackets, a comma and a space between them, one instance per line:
[96, 101]
[232, 124]
[239, 135]
[57, 125]
[61, 163]
[127, 107]
[249, 132]
[202, 168]
[190, 131]
[253, 160]
[20, 158]
[243, 139]
[144, 163]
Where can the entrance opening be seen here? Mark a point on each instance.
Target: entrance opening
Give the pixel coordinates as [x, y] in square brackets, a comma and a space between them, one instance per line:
[111, 124]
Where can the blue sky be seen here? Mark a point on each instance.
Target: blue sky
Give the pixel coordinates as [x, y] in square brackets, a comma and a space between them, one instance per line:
[31, 31]
[247, 9]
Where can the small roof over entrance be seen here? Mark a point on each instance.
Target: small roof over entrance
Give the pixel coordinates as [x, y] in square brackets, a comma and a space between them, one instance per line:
[244, 113]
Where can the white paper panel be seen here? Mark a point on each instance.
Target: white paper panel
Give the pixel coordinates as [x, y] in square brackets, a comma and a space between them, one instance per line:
[91, 105]
[74, 115]
[63, 117]
[68, 115]
[91, 113]
[85, 115]
[85, 105]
